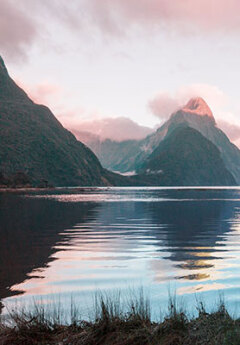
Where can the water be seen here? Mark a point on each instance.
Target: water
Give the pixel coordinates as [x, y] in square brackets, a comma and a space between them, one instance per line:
[69, 243]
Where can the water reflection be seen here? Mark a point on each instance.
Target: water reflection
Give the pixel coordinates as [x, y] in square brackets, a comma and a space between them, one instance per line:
[29, 230]
[195, 234]
[78, 240]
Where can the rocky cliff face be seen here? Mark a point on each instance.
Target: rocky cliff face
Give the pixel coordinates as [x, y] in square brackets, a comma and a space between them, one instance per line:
[197, 106]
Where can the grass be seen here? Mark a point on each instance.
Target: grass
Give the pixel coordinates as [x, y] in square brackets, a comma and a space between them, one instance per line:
[120, 322]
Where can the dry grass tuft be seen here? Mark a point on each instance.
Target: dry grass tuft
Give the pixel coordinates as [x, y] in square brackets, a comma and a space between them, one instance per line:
[112, 325]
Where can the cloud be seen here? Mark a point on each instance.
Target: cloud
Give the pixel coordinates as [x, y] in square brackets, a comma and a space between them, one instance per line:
[77, 120]
[165, 103]
[185, 16]
[44, 93]
[119, 128]
[231, 130]
[81, 119]
[17, 29]
[23, 23]
[215, 97]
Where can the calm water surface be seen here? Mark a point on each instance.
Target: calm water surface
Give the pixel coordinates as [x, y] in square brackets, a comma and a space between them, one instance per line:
[72, 242]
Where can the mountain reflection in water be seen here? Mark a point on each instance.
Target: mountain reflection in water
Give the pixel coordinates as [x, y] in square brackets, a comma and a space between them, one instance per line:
[75, 241]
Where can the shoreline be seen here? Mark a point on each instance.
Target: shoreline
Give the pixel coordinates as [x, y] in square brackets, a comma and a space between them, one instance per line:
[113, 327]
[67, 188]
[25, 189]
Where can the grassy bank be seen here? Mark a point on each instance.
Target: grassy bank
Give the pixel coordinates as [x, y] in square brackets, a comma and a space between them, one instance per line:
[111, 326]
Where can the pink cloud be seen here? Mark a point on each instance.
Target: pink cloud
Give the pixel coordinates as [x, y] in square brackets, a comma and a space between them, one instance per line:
[215, 97]
[41, 93]
[23, 22]
[231, 130]
[119, 129]
[17, 29]
[113, 15]
[77, 120]
[165, 103]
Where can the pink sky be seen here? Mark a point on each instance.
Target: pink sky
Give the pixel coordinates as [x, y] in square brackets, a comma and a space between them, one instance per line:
[96, 63]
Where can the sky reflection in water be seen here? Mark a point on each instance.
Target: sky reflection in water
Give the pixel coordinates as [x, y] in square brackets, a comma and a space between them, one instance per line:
[72, 242]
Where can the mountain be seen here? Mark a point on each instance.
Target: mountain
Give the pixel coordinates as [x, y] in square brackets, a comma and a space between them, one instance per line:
[114, 155]
[35, 143]
[35, 147]
[187, 158]
[117, 156]
[196, 114]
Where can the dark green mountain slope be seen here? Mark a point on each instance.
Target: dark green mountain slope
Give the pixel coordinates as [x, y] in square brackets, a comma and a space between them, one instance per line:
[187, 158]
[33, 141]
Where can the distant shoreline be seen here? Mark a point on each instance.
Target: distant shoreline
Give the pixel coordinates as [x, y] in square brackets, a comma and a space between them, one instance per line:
[40, 189]
[24, 189]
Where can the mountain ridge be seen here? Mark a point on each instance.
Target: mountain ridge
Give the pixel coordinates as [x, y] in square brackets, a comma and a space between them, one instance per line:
[197, 114]
[186, 157]
[34, 142]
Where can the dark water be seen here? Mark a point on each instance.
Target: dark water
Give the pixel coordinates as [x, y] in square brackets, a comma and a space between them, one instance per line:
[70, 243]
